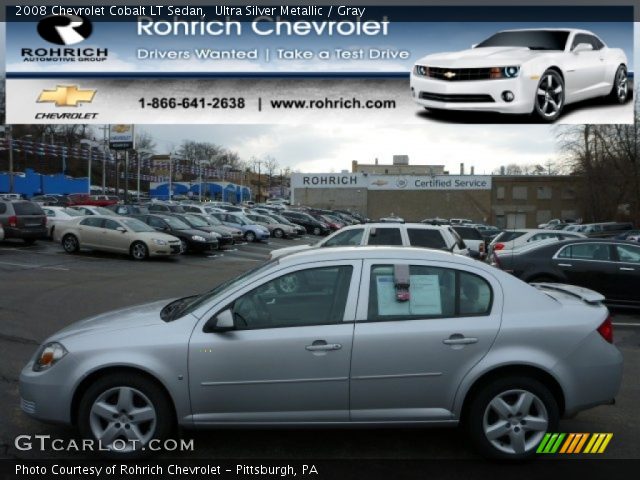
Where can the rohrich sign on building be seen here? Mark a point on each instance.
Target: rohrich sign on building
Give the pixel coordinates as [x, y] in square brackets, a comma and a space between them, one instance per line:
[390, 182]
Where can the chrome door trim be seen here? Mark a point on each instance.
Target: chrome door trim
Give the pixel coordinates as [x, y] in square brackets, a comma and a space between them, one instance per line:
[264, 382]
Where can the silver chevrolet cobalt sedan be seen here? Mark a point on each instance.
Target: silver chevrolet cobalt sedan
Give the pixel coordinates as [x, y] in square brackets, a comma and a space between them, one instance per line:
[351, 336]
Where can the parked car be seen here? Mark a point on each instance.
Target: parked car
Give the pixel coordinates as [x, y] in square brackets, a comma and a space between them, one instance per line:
[466, 345]
[391, 219]
[251, 231]
[381, 234]
[52, 200]
[488, 232]
[93, 200]
[191, 239]
[224, 238]
[627, 235]
[276, 229]
[1, 232]
[511, 239]
[300, 230]
[129, 209]
[606, 229]
[57, 216]
[221, 228]
[460, 221]
[436, 221]
[566, 66]
[473, 239]
[115, 234]
[161, 207]
[92, 210]
[202, 209]
[23, 219]
[312, 225]
[609, 267]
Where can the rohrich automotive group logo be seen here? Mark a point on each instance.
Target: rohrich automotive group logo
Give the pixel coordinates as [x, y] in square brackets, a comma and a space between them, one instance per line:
[574, 443]
[65, 29]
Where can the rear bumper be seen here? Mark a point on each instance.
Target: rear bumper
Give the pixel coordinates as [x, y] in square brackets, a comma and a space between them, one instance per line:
[28, 233]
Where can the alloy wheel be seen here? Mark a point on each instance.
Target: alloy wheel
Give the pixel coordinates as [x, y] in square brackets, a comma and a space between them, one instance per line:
[515, 421]
[316, 231]
[70, 244]
[139, 251]
[122, 419]
[621, 86]
[250, 236]
[550, 96]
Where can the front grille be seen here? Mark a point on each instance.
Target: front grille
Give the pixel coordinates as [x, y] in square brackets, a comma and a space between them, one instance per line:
[27, 406]
[457, 98]
[458, 74]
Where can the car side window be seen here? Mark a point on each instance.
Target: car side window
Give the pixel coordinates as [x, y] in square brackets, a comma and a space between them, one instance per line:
[316, 296]
[92, 222]
[385, 236]
[110, 224]
[3, 207]
[628, 253]
[433, 292]
[348, 237]
[587, 251]
[49, 213]
[156, 222]
[584, 38]
[423, 237]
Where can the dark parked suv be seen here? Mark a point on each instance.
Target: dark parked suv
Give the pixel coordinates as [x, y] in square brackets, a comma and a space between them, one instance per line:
[23, 219]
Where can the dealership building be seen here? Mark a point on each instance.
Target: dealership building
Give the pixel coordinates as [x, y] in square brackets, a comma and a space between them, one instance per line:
[507, 201]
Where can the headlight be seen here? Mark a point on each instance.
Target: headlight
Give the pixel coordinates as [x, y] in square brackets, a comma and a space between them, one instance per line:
[198, 238]
[48, 355]
[157, 241]
[421, 70]
[511, 71]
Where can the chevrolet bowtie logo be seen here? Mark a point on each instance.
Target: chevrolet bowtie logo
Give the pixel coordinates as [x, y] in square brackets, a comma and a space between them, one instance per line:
[66, 96]
[450, 74]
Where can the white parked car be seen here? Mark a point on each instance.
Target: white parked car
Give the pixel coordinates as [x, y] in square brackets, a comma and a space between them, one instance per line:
[92, 210]
[522, 71]
[514, 239]
[399, 234]
[58, 215]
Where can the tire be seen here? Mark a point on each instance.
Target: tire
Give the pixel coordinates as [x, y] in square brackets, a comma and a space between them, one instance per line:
[278, 233]
[317, 231]
[494, 408]
[108, 404]
[620, 89]
[139, 251]
[250, 236]
[52, 232]
[548, 101]
[70, 243]
[183, 246]
[29, 241]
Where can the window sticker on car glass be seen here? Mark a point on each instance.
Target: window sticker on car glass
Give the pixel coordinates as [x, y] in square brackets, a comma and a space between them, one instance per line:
[425, 295]
[388, 305]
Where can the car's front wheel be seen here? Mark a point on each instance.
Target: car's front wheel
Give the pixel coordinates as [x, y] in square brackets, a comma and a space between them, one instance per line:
[139, 251]
[508, 417]
[123, 412]
[278, 233]
[620, 88]
[250, 236]
[70, 243]
[549, 96]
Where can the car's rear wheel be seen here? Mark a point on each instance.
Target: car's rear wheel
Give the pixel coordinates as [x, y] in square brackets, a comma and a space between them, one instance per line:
[620, 88]
[123, 412]
[70, 243]
[278, 233]
[508, 417]
[139, 251]
[250, 237]
[549, 96]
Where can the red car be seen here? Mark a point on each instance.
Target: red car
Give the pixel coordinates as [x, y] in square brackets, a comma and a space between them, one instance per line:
[94, 200]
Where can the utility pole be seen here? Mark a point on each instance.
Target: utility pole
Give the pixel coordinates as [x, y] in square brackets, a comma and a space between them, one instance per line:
[170, 177]
[259, 162]
[105, 129]
[10, 140]
[126, 176]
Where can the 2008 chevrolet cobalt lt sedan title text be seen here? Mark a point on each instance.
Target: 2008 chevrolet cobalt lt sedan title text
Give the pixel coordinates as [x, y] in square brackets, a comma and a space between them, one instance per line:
[522, 71]
[372, 336]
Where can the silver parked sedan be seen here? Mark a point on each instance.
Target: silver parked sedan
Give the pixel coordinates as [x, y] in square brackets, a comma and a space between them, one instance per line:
[371, 336]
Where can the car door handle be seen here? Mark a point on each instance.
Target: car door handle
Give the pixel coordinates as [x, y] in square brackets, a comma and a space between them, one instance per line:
[459, 340]
[321, 345]
[627, 269]
[565, 265]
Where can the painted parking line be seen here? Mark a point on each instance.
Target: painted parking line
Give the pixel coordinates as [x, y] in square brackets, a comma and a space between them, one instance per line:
[27, 266]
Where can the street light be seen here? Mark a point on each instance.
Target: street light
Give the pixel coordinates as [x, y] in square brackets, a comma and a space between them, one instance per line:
[92, 144]
[139, 154]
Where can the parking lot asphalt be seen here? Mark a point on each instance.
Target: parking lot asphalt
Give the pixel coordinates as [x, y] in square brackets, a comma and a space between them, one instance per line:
[43, 289]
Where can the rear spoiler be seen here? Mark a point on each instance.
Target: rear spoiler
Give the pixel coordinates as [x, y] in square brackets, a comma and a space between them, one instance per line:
[584, 294]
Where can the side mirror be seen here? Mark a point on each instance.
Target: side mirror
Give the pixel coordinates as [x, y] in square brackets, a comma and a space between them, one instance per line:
[121, 229]
[223, 322]
[582, 47]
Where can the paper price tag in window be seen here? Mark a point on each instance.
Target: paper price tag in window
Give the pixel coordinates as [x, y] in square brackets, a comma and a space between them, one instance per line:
[425, 295]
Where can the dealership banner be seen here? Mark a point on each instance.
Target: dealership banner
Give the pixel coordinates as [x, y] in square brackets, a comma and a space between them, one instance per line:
[294, 64]
[390, 182]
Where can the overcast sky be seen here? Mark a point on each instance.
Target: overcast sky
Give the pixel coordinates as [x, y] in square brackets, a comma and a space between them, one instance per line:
[326, 148]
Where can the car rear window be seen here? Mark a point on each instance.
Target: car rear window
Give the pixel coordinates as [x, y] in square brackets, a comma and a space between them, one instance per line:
[385, 236]
[423, 237]
[508, 236]
[468, 233]
[27, 208]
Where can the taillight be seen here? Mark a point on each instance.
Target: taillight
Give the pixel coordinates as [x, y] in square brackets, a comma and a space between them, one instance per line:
[13, 221]
[498, 246]
[606, 330]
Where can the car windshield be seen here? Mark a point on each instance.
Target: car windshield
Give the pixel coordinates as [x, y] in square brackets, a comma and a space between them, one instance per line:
[181, 307]
[103, 211]
[240, 220]
[213, 220]
[71, 212]
[176, 224]
[137, 225]
[196, 221]
[532, 39]
[280, 219]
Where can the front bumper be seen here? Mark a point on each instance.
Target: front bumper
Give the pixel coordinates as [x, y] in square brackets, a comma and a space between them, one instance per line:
[475, 95]
[164, 250]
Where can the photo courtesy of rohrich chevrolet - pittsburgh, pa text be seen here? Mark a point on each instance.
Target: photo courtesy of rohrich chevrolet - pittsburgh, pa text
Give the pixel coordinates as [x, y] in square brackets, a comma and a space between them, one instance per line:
[365, 240]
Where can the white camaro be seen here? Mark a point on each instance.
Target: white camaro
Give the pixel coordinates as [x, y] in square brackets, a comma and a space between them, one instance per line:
[522, 71]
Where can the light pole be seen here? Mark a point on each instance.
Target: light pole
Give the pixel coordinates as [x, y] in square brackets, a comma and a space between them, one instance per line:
[91, 144]
[139, 154]
[10, 140]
